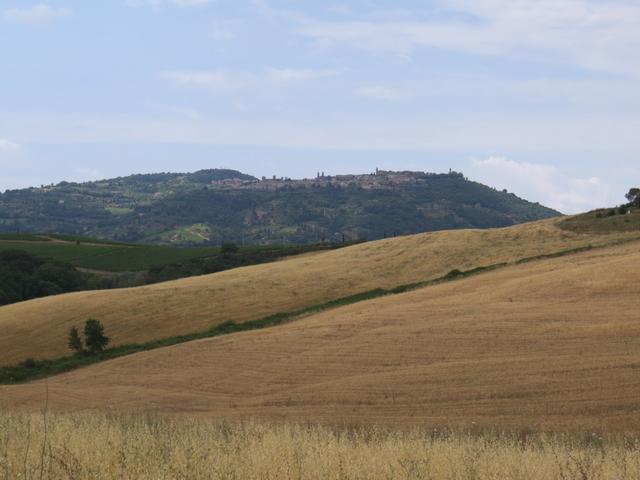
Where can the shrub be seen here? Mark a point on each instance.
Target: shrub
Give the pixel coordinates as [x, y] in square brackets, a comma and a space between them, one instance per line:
[454, 273]
[29, 363]
[75, 342]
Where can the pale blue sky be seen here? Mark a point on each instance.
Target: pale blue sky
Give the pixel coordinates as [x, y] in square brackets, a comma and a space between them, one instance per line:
[539, 97]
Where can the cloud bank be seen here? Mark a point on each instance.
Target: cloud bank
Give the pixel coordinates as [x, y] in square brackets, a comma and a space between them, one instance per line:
[546, 184]
[599, 36]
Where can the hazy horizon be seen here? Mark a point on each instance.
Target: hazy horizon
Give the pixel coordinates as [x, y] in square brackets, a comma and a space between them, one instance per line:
[539, 98]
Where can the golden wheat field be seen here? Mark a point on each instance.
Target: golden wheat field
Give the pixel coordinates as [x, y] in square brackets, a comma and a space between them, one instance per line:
[148, 448]
[196, 304]
[550, 345]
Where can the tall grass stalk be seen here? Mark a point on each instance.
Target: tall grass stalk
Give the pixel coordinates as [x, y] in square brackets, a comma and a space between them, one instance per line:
[104, 446]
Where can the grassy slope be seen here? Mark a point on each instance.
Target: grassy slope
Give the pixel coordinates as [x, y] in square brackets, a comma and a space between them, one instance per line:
[551, 344]
[199, 303]
[599, 221]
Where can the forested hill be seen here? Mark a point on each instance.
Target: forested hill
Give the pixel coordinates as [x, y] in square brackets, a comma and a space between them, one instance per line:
[212, 206]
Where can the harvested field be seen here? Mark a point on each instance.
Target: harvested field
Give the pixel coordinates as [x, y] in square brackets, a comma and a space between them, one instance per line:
[552, 345]
[199, 303]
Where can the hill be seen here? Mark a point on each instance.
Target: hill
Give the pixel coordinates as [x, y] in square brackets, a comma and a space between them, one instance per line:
[197, 304]
[213, 206]
[35, 266]
[541, 345]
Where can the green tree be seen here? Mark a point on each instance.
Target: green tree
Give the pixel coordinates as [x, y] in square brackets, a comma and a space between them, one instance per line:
[75, 342]
[634, 197]
[94, 337]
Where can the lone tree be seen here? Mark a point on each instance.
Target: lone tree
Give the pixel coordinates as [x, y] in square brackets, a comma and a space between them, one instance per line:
[75, 342]
[94, 337]
[634, 197]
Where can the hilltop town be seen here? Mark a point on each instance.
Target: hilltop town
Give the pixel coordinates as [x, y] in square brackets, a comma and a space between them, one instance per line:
[218, 205]
[378, 180]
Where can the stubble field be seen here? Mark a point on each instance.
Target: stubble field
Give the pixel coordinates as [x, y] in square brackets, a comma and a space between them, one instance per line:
[196, 304]
[549, 345]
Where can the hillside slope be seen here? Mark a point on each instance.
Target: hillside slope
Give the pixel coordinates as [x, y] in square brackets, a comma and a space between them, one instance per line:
[214, 206]
[552, 344]
[38, 328]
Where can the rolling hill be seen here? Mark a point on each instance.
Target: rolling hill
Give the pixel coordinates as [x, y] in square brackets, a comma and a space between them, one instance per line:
[542, 344]
[199, 303]
[213, 206]
[37, 266]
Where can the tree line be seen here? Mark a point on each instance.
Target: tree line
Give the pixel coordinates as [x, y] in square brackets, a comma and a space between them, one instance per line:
[24, 276]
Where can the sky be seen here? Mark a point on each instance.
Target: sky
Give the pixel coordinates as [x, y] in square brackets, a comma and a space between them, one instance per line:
[540, 97]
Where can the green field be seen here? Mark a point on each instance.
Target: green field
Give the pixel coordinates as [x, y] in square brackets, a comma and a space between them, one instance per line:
[24, 237]
[107, 256]
[104, 256]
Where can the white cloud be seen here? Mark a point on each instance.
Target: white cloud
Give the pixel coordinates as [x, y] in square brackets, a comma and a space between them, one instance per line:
[8, 151]
[168, 3]
[219, 79]
[544, 183]
[228, 79]
[601, 36]
[284, 75]
[8, 147]
[38, 14]
[383, 93]
[561, 134]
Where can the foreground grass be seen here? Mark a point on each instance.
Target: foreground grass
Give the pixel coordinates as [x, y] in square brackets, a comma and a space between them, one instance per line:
[143, 447]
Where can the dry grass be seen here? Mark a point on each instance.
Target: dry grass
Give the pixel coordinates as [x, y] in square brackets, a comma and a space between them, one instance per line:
[84, 447]
[196, 304]
[550, 345]
[599, 221]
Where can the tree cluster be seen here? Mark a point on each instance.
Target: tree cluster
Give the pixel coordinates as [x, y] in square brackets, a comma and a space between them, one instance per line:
[634, 197]
[24, 276]
[95, 340]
